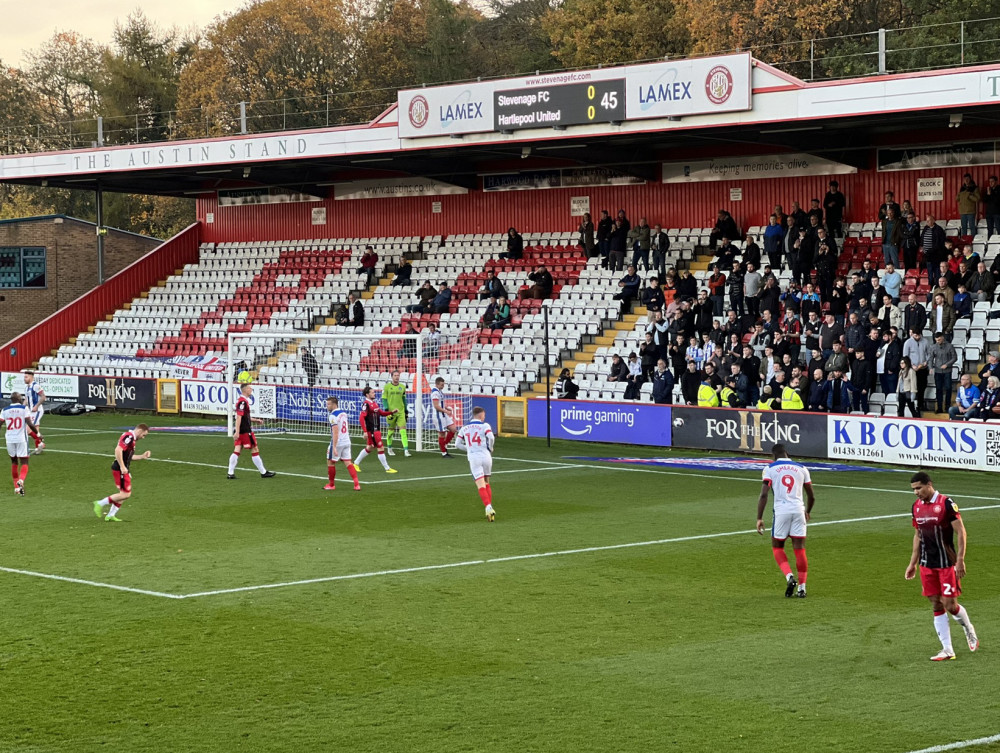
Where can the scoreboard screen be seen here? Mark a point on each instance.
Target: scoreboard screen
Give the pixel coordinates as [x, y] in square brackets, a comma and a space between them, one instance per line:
[561, 105]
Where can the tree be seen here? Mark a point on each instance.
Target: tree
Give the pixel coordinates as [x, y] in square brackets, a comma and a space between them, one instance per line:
[585, 33]
[515, 39]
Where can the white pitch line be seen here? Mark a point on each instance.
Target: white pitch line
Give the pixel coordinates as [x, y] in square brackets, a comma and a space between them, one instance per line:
[537, 555]
[959, 745]
[95, 583]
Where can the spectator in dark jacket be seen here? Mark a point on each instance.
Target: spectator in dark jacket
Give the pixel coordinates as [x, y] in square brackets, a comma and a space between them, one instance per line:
[649, 354]
[353, 313]
[426, 293]
[618, 240]
[310, 366]
[544, 283]
[990, 368]
[403, 274]
[702, 311]
[862, 377]
[988, 406]
[515, 245]
[442, 301]
[628, 289]
[663, 384]
[492, 288]
[690, 382]
[725, 227]
[838, 393]
[619, 369]
[834, 203]
[652, 296]
[604, 228]
[932, 241]
[774, 233]
[817, 392]
[566, 388]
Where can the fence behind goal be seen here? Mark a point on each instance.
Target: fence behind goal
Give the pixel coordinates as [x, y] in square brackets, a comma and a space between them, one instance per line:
[307, 369]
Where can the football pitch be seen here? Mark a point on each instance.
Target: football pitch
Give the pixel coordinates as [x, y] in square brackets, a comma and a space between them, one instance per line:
[611, 607]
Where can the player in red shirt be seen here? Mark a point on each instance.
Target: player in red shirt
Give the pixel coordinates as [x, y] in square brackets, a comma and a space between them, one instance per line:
[370, 413]
[124, 455]
[245, 436]
[942, 563]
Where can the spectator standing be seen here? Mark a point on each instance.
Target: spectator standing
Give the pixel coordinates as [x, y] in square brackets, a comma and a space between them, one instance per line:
[889, 357]
[751, 253]
[736, 289]
[652, 295]
[659, 244]
[968, 204]
[432, 341]
[834, 204]
[752, 284]
[907, 389]
[911, 241]
[725, 227]
[617, 241]
[965, 399]
[796, 212]
[774, 233]
[890, 315]
[604, 228]
[942, 316]
[889, 203]
[648, 356]
[310, 366]
[717, 290]
[932, 241]
[914, 315]
[544, 283]
[690, 384]
[990, 368]
[838, 393]
[941, 360]
[837, 360]
[659, 327]
[918, 351]
[687, 285]
[862, 378]
[586, 233]
[892, 281]
[991, 207]
[830, 333]
[703, 311]
[515, 245]
[638, 241]
[770, 297]
[663, 384]
[892, 236]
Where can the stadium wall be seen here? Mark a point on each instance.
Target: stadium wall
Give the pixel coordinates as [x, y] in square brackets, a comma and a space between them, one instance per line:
[671, 205]
[101, 301]
[70, 265]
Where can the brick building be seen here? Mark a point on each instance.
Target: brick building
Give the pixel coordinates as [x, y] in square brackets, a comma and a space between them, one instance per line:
[47, 262]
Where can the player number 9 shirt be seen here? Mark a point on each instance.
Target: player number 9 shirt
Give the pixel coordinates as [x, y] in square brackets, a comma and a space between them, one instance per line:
[787, 480]
[933, 521]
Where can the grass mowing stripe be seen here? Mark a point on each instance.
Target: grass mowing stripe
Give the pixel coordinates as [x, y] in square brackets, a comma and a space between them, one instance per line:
[538, 555]
[95, 583]
[959, 745]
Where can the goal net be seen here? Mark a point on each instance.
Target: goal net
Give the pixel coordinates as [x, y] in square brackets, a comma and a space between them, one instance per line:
[294, 373]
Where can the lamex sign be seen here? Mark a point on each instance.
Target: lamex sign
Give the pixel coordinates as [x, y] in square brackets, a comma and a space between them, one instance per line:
[729, 429]
[911, 442]
[65, 386]
[652, 90]
[199, 396]
[627, 423]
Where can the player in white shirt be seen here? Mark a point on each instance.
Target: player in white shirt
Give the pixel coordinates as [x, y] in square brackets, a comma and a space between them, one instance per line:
[787, 479]
[17, 420]
[476, 438]
[440, 417]
[36, 404]
[340, 444]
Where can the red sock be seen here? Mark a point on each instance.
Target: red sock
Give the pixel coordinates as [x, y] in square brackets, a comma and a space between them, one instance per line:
[331, 473]
[354, 473]
[24, 472]
[13, 471]
[801, 564]
[442, 444]
[448, 437]
[782, 559]
[38, 440]
[484, 494]
[489, 493]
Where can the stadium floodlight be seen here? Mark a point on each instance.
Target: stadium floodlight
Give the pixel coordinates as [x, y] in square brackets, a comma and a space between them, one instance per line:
[294, 373]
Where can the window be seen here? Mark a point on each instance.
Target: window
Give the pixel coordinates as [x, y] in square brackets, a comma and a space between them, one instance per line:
[22, 267]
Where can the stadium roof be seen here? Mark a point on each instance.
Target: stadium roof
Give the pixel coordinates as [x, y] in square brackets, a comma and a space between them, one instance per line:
[841, 120]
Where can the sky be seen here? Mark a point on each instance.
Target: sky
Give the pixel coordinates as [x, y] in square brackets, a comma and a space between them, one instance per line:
[27, 25]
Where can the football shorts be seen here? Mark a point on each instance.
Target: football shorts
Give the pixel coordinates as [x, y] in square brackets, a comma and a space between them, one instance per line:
[247, 440]
[939, 581]
[340, 452]
[123, 481]
[397, 422]
[481, 465]
[37, 416]
[789, 524]
[442, 421]
[374, 439]
[18, 449]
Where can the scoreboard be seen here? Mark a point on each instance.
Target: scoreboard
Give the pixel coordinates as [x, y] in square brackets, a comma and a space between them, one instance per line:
[560, 106]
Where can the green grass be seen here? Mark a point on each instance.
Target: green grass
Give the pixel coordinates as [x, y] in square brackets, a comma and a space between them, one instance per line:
[686, 646]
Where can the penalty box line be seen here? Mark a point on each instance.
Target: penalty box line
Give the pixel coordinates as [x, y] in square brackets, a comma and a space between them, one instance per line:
[443, 566]
[959, 745]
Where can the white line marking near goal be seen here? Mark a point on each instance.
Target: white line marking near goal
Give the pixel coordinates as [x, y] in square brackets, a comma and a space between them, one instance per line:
[96, 584]
[959, 745]
[538, 555]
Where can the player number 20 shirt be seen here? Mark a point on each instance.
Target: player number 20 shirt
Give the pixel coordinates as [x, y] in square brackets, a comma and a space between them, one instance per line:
[787, 480]
[14, 417]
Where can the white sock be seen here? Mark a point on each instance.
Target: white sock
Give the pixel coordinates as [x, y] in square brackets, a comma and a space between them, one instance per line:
[104, 502]
[962, 617]
[114, 510]
[259, 463]
[383, 461]
[789, 577]
[233, 460]
[943, 630]
[361, 456]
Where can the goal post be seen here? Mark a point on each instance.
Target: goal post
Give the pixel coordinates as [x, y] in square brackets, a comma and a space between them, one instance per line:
[293, 373]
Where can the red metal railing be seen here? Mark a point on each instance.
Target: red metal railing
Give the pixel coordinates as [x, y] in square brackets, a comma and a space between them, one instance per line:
[105, 299]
